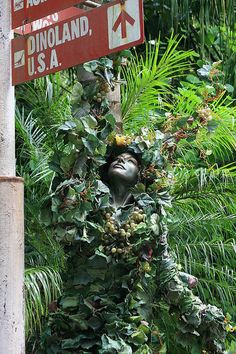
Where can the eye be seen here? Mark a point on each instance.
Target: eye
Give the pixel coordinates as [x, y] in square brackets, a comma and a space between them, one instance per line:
[133, 161]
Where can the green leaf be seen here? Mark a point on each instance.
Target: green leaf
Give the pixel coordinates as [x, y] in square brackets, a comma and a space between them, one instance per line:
[101, 187]
[95, 323]
[89, 121]
[229, 88]
[67, 126]
[82, 277]
[80, 166]
[67, 162]
[139, 337]
[72, 343]
[141, 228]
[193, 79]
[69, 303]
[144, 349]
[110, 346]
[82, 110]
[144, 200]
[77, 93]
[91, 143]
[154, 223]
[91, 66]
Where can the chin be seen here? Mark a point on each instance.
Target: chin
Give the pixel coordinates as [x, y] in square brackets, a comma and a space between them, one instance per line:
[117, 172]
[119, 176]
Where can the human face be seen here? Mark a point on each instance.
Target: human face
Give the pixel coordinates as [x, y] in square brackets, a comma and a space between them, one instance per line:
[124, 168]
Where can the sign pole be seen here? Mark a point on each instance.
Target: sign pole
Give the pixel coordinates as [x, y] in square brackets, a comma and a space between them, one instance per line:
[11, 205]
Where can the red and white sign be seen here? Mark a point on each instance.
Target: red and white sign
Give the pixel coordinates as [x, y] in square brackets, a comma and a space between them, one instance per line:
[48, 20]
[110, 28]
[26, 11]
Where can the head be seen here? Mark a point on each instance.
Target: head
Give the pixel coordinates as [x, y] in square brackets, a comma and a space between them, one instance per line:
[124, 169]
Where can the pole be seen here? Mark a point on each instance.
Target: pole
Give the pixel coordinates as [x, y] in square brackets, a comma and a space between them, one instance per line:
[11, 206]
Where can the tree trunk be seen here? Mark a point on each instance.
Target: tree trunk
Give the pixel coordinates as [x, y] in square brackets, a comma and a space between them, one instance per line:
[113, 96]
[115, 107]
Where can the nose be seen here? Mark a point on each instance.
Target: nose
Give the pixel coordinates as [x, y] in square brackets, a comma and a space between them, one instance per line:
[120, 159]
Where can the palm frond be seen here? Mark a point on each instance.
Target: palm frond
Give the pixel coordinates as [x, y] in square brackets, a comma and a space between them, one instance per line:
[42, 286]
[202, 230]
[149, 80]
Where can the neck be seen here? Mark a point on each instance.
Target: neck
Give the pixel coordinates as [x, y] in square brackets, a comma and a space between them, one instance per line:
[120, 194]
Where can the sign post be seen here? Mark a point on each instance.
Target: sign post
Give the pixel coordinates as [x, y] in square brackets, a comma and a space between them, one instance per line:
[11, 205]
[110, 28]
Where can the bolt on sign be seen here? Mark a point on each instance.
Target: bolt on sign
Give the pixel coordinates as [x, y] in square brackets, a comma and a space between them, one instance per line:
[107, 29]
[48, 20]
[25, 11]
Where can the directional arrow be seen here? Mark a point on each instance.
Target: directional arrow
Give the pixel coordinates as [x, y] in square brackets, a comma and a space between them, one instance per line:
[121, 20]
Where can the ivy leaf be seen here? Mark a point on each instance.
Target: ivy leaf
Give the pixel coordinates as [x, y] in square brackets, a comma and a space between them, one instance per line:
[104, 61]
[77, 93]
[110, 346]
[95, 323]
[229, 88]
[204, 71]
[144, 200]
[69, 303]
[144, 349]
[80, 187]
[104, 201]
[80, 166]
[139, 188]
[109, 126]
[141, 228]
[67, 162]
[139, 337]
[101, 187]
[82, 110]
[193, 79]
[91, 143]
[82, 277]
[91, 66]
[154, 224]
[89, 121]
[67, 126]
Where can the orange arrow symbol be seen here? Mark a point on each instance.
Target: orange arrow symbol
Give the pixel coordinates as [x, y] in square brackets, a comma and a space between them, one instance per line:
[121, 20]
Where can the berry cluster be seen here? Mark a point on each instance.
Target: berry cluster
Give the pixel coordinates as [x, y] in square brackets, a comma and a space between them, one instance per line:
[117, 237]
[104, 89]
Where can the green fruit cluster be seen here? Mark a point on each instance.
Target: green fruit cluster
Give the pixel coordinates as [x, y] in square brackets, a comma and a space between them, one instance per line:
[104, 89]
[117, 237]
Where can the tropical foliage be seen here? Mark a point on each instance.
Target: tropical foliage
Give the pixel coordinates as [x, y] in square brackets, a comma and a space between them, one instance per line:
[196, 115]
[201, 143]
[44, 257]
[208, 27]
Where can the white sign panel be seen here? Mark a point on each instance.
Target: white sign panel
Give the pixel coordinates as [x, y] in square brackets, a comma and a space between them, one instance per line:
[124, 23]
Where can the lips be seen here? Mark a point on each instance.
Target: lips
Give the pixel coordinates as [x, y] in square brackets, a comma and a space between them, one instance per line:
[117, 165]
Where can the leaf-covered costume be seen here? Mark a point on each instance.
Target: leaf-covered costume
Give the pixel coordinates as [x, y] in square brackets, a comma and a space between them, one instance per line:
[121, 277]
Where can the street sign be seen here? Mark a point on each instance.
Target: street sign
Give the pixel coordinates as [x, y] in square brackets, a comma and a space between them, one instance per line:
[109, 28]
[48, 20]
[26, 11]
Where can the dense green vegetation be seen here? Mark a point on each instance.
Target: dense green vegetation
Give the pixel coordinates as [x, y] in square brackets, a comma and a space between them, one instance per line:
[185, 95]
